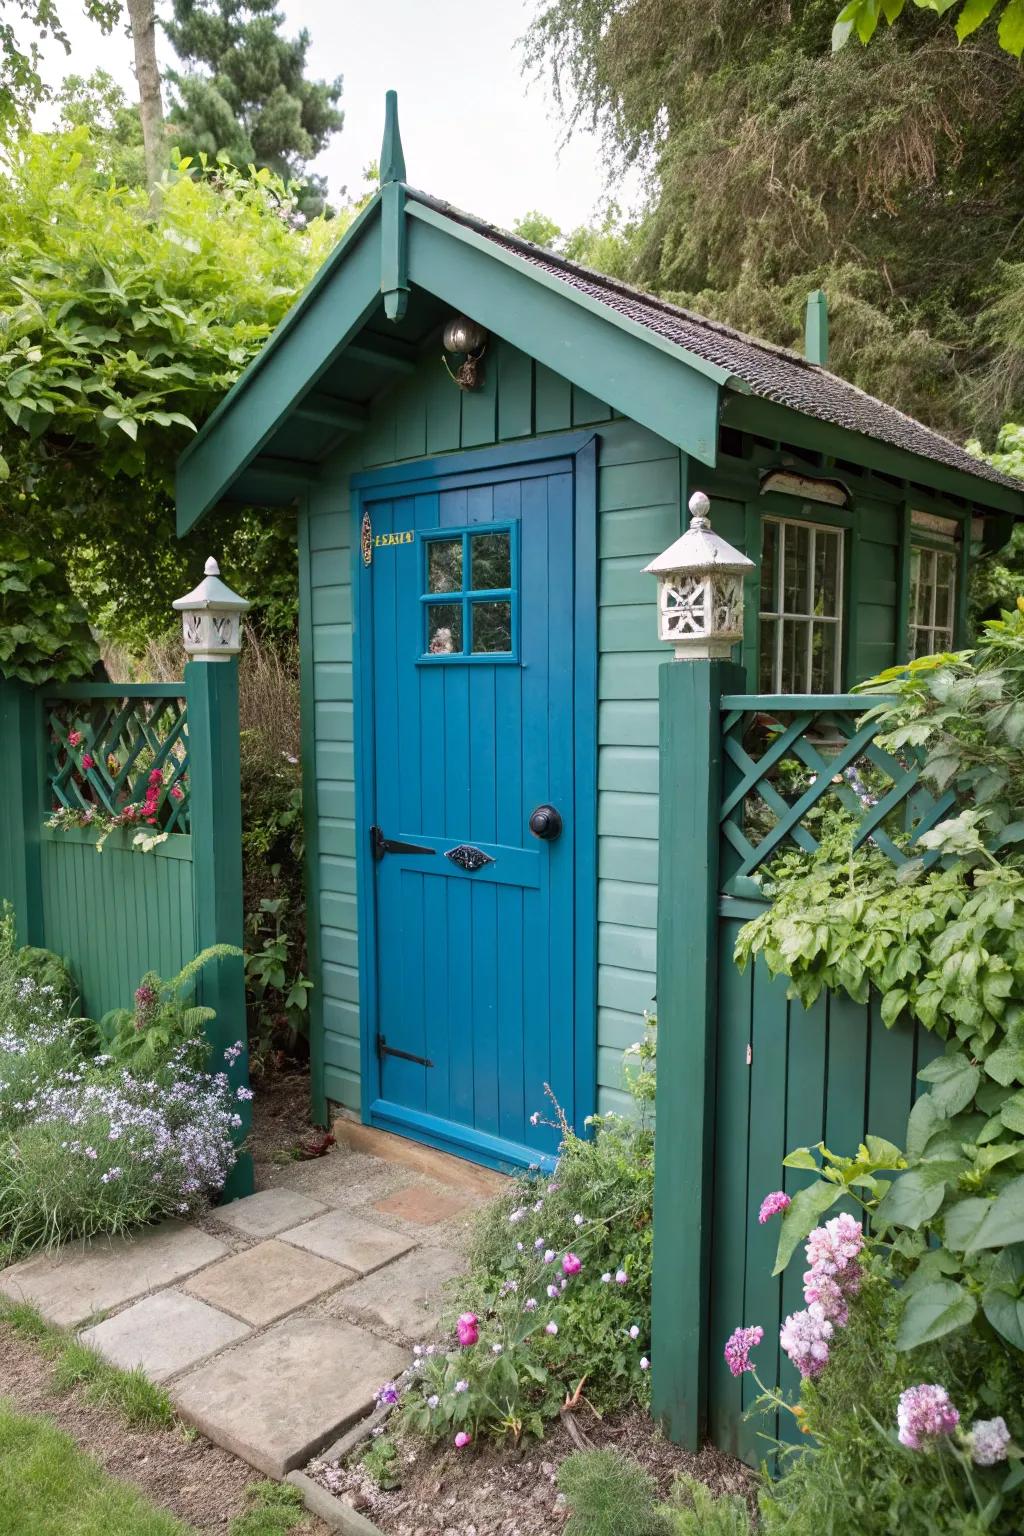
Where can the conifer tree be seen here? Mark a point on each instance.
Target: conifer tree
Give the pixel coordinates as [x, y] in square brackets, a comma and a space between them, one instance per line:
[243, 89]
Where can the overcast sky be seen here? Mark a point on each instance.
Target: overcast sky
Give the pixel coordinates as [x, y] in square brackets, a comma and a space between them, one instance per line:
[475, 130]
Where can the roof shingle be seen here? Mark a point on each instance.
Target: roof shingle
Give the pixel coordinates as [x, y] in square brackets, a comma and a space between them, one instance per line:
[773, 373]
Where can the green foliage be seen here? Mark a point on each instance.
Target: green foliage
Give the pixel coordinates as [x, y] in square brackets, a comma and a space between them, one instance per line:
[696, 1511]
[44, 636]
[274, 1509]
[120, 329]
[772, 167]
[244, 91]
[609, 1495]
[162, 1023]
[609, 246]
[541, 1343]
[380, 1461]
[860, 18]
[51, 1485]
[22, 87]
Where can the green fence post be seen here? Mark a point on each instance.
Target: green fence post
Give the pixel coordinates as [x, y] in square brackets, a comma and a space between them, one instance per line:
[687, 994]
[21, 809]
[215, 806]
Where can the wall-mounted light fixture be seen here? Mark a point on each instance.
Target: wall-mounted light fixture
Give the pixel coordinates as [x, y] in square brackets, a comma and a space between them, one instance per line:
[464, 338]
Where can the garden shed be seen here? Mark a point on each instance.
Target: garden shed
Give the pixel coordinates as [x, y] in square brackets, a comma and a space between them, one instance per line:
[485, 445]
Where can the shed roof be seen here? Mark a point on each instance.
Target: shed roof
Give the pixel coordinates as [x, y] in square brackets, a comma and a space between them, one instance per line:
[410, 260]
[773, 372]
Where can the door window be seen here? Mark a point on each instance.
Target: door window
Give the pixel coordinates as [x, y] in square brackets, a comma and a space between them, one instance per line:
[469, 595]
[932, 600]
[801, 607]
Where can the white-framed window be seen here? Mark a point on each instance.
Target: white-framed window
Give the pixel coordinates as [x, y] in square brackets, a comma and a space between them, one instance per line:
[932, 599]
[801, 631]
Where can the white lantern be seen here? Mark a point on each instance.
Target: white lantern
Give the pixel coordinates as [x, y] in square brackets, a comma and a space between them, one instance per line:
[700, 589]
[212, 618]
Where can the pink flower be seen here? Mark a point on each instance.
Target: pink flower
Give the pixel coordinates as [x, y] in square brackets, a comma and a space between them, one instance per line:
[804, 1336]
[177, 792]
[156, 777]
[463, 1438]
[571, 1265]
[835, 1245]
[925, 1414]
[738, 1346]
[772, 1204]
[467, 1329]
[621, 1277]
[551, 1328]
[74, 738]
[830, 1295]
[88, 761]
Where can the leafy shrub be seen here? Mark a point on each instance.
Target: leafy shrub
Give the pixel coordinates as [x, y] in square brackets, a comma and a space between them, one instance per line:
[610, 1495]
[380, 1460]
[557, 1297]
[696, 1511]
[44, 636]
[49, 973]
[162, 1025]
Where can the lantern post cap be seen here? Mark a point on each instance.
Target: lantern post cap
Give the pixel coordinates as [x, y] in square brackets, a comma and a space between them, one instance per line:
[213, 593]
[699, 549]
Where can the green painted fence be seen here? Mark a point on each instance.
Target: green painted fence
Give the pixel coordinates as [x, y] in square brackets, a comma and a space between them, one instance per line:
[121, 912]
[744, 1074]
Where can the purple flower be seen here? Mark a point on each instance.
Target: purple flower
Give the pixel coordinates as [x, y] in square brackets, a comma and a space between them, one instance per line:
[925, 1414]
[530, 1304]
[549, 1254]
[835, 1245]
[772, 1204]
[461, 1386]
[621, 1277]
[988, 1441]
[551, 1328]
[553, 1292]
[387, 1394]
[517, 1215]
[433, 1400]
[829, 1294]
[243, 1093]
[738, 1346]
[462, 1439]
[571, 1265]
[804, 1336]
[539, 1243]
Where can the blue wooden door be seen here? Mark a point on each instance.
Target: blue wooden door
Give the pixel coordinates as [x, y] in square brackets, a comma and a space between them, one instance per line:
[470, 596]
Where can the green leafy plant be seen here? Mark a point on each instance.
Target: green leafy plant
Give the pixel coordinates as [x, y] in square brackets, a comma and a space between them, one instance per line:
[44, 636]
[380, 1460]
[610, 1495]
[277, 990]
[162, 1023]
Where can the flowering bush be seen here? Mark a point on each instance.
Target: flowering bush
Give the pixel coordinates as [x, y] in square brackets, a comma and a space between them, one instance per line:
[557, 1303]
[162, 1023]
[88, 1145]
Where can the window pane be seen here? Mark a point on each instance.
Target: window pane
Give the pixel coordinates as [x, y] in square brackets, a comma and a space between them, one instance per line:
[492, 627]
[444, 628]
[823, 658]
[925, 584]
[796, 597]
[769, 551]
[944, 590]
[491, 561]
[766, 666]
[444, 565]
[826, 573]
[794, 656]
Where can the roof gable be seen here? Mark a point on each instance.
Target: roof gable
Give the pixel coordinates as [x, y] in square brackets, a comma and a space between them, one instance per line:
[410, 260]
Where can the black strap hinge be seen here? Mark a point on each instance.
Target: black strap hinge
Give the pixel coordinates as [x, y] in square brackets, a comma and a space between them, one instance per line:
[383, 1049]
[380, 845]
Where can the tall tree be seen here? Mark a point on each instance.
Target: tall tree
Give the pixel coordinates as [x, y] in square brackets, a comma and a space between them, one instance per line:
[21, 85]
[142, 21]
[891, 176]
[243, 90]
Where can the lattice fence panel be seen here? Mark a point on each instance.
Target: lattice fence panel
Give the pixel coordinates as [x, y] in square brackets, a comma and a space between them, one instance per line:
[786, 764]
[104, 755]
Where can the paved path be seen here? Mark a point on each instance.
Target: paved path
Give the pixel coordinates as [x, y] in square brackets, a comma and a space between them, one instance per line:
[273, 1321]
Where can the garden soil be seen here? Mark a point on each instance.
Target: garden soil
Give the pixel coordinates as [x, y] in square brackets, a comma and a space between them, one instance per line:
[504, 1492]
[177, 1470]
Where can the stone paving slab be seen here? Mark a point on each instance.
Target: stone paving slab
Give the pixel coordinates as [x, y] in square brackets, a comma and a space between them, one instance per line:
[359, 1245]
[72, 1285]
[265, 1283]
[407, 1296]
[279, 1397]
[423, 1206]
[164, 1334]
[269, 1212]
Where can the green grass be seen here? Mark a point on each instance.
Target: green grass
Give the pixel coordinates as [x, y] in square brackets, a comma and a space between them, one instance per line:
[51, 1488]
[130, 1393]
[275, 1508]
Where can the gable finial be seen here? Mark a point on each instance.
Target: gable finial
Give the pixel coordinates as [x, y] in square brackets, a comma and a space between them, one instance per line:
[392, 158]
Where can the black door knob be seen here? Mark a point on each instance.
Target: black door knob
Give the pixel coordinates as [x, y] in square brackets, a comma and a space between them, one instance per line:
[546, 823]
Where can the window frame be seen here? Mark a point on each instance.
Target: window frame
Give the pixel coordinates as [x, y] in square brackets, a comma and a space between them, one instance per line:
[835, 527]
[467, 597]
[922, 545]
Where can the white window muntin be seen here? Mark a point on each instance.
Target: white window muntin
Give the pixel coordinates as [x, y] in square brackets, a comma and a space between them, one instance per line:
[791, 628]
[933, 573]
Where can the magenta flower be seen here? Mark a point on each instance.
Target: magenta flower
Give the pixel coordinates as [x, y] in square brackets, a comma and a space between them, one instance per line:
[571, 1265]
[925, 1414]
[387, 1394]
[467, 1329]
[738, 1346]
[804, 1336]
[74, 738]
[772, 1204]
[463, 1438]
[88, 761]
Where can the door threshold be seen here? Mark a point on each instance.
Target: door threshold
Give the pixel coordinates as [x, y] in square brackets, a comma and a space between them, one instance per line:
[504, 1156]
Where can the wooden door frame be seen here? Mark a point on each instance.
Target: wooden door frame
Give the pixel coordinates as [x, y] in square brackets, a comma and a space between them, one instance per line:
[446, 471]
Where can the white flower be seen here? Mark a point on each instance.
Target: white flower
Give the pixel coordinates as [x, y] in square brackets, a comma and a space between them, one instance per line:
[989, 1440]
[578, 1220]
[634, 1332]
[495, 1349]
[645, 1364]
[551, 1328]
